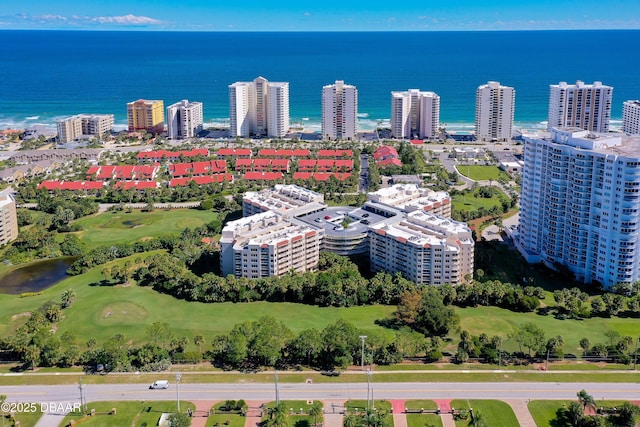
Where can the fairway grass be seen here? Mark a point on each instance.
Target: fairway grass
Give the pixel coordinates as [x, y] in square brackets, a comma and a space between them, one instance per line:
[100, 312]
[110, 228]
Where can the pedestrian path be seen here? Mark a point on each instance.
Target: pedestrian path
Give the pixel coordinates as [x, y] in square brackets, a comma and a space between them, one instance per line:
[521, 409]
[201, 412]
[399, 417]
[254, 413]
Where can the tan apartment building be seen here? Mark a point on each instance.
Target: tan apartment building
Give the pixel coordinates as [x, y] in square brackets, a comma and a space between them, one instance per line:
[8, 219]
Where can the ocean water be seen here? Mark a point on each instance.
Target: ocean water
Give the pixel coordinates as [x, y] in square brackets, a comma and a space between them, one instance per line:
[47, 75]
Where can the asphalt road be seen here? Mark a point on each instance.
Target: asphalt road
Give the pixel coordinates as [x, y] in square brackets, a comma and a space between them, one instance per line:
[338, 391]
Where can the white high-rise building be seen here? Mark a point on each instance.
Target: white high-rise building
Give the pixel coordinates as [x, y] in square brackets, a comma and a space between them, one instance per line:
[339, 111]
[495, 106]
[631, 117]
[580, 204]
[415, 114]
[259, 108]
[583, 106]
[184, 119]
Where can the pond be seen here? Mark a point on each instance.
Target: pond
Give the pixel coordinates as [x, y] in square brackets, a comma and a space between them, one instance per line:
[36, 276]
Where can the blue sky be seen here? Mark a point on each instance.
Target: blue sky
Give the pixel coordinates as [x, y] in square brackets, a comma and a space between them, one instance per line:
[319, 15]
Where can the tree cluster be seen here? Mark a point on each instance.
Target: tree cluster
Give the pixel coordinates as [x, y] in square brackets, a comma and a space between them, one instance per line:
[575, 415]
[268, 342]
[575, 304]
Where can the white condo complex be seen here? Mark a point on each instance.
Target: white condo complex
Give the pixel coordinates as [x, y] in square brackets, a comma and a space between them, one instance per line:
[76, 127]
[403, 228]
[495, 106]
[415, 114]
[259, 108]
[339, 111]
[580, 204]
[184, 119]
[631, 117]
[583, 106]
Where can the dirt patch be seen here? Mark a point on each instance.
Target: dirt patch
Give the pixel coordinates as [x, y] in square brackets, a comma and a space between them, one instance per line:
[19, 315]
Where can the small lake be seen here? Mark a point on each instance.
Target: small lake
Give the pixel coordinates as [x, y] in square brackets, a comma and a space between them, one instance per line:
[36, 276]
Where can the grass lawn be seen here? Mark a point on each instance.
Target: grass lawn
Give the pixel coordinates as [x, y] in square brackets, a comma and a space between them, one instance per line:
[496, 412]
[122, 227]
[224, 419]
[298, 413]
[544, 411]
[496, 321]
[361, 405]
[466, 201]
[127, 413]
[422, 420]
[482, 173]
[26, 419]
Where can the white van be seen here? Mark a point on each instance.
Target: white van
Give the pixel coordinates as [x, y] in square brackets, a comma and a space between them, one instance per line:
[159, 384]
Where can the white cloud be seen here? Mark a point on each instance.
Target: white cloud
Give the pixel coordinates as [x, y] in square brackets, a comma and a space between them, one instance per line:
[75, 20]
[126, 20]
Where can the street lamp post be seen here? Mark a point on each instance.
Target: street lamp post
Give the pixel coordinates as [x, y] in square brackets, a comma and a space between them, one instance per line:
[635, 357]
[362, 337]
[178, 378]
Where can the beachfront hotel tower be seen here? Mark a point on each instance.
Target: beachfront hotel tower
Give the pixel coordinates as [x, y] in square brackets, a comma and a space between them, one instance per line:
[583, 106]
[580, 204]
[495, 106]
[415, 114]
[339, 111]
[147, 115]
[259, 108]
[184, 119]
[76, 127]
[631, 117]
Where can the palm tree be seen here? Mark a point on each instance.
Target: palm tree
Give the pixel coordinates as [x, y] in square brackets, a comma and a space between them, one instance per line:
[478, 419]
[586, 400]
[314, 411]
[198, 340]
[277, 416]
[574, 413]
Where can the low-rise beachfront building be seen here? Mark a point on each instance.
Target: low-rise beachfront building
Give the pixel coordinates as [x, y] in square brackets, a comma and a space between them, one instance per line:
[580, 204]
[8, 219]
[631, 117]
[147, 115]
[427, 249]
[268, 244]
[290, 200]
[83, 125]
[411, 197]
[184, 119]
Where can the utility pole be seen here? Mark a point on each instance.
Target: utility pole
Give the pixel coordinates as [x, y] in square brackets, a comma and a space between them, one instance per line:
[368, 388]
[362, 337]
[500, 355]
[82, 400]
[277, 392]
[635, 357]
[178, 378]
